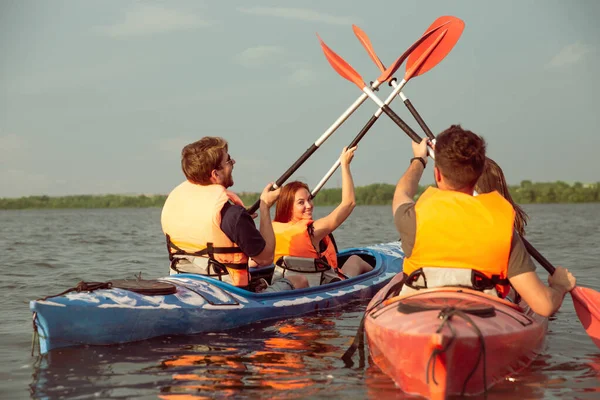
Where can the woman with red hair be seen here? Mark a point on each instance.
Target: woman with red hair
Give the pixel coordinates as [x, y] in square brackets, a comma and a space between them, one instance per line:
[298, 235]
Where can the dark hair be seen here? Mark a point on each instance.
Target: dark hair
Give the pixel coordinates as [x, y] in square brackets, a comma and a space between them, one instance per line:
[285, 203]
[198, 159]
[460, 156]
[492, 179]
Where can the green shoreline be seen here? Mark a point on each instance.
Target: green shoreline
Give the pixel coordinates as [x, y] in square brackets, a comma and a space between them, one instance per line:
[375, 194]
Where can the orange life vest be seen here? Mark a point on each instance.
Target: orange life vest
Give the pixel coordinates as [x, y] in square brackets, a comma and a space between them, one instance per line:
[191, 220]
[293, 239]
[456, 230]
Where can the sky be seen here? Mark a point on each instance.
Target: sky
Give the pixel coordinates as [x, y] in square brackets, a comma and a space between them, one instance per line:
[100, 97]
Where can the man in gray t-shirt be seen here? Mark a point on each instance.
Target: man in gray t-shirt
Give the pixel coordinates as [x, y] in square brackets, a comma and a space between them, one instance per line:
[459, 162]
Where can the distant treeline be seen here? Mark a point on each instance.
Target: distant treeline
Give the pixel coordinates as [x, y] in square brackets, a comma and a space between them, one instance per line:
[375, 194]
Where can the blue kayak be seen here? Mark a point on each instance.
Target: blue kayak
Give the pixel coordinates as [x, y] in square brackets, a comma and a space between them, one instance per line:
[200, 304]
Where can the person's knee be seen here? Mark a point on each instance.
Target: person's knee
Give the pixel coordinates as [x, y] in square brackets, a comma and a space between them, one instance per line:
[366, 267]
[357, 266]
[298, 281]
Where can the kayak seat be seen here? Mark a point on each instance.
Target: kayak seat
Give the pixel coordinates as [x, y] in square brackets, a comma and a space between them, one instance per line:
[368, 258]
[259, 273]
[315, 270]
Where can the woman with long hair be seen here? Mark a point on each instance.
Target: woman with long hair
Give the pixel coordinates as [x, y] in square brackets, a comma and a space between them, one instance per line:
[298, 235]
[492, 179]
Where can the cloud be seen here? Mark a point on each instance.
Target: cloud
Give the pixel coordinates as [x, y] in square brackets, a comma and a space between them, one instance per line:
[570, 54]
[302, 14]
[296, 73]
[303, 76]
[257, 56]
[150, 19]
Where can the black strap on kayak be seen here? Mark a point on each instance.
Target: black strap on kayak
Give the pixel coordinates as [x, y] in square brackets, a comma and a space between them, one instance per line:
[446, 316]
[81, 287]
[148, 287]
[359, 338]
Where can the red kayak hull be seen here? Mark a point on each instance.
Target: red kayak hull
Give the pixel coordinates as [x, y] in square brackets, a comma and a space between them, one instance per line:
[436, 354]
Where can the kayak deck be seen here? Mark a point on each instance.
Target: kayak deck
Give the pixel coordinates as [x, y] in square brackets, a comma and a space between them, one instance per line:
[452, 341]
[200, 304]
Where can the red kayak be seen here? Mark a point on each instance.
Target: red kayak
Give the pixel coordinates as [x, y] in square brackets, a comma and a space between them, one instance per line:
[451, 341]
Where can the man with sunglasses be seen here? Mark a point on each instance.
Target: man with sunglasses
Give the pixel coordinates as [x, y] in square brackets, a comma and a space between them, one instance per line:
[207, 227]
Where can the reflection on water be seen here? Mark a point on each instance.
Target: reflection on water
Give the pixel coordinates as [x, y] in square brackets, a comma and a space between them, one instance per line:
[292, 358]
[295, 358]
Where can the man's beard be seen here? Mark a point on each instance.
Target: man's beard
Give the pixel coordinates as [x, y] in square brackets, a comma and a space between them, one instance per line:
[228, 182]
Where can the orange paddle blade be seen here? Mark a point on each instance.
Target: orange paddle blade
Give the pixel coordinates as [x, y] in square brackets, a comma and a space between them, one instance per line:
[364, 40]
[455, 27]
[410, 72]
[341, 66]
[387, 74]
[587, 307]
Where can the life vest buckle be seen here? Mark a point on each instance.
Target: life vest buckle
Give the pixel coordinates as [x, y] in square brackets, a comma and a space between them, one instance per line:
[481, 282]
[411, 280]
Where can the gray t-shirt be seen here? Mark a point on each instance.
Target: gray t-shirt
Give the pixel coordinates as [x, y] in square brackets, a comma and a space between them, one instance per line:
[405, 219]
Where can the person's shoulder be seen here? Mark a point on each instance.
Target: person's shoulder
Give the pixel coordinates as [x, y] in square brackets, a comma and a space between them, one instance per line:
[406, 207]
[232, 210]
[405, 211]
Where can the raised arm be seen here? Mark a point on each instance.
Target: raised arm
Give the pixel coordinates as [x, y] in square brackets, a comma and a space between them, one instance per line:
[328, 224]
[407, 186]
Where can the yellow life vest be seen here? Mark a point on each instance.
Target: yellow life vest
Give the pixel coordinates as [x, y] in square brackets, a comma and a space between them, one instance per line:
[191, 220]
[456, 230]
[293, 239]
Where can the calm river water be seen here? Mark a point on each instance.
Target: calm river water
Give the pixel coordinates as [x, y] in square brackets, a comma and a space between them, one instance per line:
[47, 251]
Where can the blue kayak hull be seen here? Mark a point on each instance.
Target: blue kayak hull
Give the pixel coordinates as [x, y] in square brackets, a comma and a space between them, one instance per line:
[201, 304]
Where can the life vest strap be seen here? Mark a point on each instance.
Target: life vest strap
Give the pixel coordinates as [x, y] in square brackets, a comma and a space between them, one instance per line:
[210, 250]
[481, 282]
[417, 280]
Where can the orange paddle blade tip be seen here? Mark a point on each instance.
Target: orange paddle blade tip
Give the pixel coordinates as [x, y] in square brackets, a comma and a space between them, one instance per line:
[410, 72]
[391, 70]
[341, 66]
[454, 27]
[366, 43]
[587, 307]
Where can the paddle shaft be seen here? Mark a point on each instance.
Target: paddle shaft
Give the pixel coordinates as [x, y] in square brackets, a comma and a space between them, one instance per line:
[407, 129]
[538, 257]
[415, 113]
[342, 118]
[366, 42]
[410, 73]
[361, 134]
[394, 117]
[383, 107]
[335, 166]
